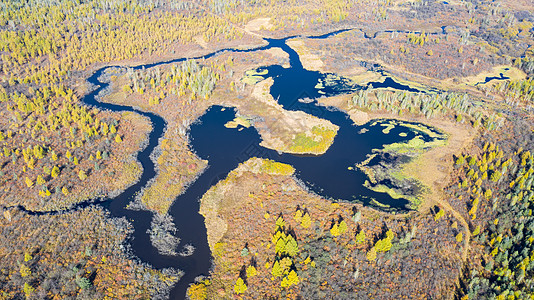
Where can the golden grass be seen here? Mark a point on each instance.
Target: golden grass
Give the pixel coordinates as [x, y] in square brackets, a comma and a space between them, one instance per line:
[309, 60]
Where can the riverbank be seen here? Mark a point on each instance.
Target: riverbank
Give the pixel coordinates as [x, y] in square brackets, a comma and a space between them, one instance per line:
[432, 167]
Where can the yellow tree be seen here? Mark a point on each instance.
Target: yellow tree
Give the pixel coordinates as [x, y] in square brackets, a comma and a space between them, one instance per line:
[240, 287]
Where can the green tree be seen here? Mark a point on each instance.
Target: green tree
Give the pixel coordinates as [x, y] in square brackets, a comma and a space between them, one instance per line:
[83, 283]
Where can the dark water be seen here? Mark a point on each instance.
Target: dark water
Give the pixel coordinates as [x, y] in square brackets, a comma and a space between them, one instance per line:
[224, 148]
[488, 79]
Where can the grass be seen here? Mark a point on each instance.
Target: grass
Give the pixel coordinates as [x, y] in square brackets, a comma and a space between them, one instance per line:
[387, 128]
[318, 142]
[424, 129]
[512, 72]
[275, 168]
[238, 121]
[253, 76]
[414, 145]
[393, 193]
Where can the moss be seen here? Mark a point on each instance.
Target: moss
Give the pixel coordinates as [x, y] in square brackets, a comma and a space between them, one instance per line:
[276, 168]
[387, 128]
[414, 145]
[254, 76]
[318, 142]
[238, 121]
[423, 129]
[415, 201]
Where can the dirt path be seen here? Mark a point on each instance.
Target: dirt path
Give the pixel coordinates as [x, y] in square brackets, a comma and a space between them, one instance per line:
[467, 233]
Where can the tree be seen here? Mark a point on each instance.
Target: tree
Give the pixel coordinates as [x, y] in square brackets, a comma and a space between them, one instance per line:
[334, 231]
[306, 221]
[65, 191]
[55, 172]
[40, 180]
[83, 283]
[240, 287]
[276, 270]
[118, 138]
[280, 246]
[360, 237]
[280, 222]
[251, 271]
[31, 163]
[29, 182]
[371, 254]
[298, 216]
[459, 237]
[291, 246]
[28, 289]
[342, 227]
[198, 291]
[440, 214]
[82, 175]
[291, 279]
[25, 270]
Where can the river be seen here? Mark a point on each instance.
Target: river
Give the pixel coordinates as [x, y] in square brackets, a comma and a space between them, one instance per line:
[224, 148]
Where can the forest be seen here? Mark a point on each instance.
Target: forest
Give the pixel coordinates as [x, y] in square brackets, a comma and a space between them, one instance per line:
[467, 67]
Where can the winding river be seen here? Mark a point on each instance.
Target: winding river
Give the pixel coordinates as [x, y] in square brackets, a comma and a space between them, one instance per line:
[225, 148]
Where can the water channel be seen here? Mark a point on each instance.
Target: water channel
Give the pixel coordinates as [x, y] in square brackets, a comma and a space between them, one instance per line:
[328, 175]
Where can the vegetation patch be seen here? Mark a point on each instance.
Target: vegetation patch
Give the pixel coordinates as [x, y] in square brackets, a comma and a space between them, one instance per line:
[275, 168]
[318, 141]
[238, 121]
[254, 76]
